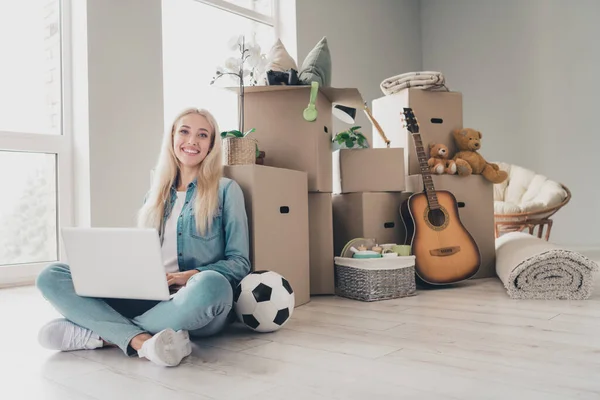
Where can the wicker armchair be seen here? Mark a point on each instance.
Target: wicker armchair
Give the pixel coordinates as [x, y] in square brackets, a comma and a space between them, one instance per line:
[527, 200]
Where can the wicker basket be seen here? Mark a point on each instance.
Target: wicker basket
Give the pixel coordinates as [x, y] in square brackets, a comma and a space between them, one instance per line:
[239, 151]
[373, 279]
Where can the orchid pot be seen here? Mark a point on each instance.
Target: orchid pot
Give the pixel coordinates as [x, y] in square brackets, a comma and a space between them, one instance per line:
[238, 149]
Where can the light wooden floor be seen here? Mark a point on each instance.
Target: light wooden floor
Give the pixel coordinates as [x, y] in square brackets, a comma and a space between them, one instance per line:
[471, 342]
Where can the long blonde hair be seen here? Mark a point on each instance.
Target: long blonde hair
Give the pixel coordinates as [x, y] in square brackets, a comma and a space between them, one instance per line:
[166, 174]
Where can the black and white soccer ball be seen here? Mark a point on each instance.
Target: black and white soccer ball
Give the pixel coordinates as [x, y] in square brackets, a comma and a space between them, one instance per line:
[264, 301]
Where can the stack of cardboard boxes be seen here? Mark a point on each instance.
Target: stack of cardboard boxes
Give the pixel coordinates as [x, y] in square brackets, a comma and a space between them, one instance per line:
[368, 186]
[438, 114]
[305, 203]
[288, 199]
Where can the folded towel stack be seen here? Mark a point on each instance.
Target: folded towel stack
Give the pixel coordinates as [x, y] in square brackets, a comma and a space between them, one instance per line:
[430, 80]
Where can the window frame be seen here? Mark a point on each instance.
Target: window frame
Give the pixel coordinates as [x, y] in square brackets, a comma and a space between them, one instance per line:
[60, 145]
[271, 20]
[269, 26]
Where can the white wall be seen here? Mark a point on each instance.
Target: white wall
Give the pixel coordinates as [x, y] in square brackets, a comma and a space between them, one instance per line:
[369, 42]
[527, 71]
[118, 117]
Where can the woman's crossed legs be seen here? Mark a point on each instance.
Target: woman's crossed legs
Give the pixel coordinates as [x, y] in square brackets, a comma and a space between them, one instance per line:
[155, 330]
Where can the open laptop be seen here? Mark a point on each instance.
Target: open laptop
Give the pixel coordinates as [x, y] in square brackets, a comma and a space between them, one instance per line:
[123, 263]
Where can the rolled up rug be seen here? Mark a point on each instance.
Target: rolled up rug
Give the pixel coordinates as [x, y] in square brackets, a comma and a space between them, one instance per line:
[533, 268]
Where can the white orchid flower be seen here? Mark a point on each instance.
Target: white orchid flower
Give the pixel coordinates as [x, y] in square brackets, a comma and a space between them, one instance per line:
[254, 48]
[233, 64]
[253, 61]
[254, 56]
[235, 42]
[262, 65]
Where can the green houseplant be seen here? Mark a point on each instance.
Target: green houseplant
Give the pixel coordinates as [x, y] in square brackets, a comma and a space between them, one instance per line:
[351, 138]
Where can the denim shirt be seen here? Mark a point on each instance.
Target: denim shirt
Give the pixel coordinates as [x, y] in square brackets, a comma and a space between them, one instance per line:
[225, 247]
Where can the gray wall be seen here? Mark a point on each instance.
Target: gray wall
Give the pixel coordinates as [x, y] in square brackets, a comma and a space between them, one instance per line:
[527, 71]
[369, 41]
[118, 107]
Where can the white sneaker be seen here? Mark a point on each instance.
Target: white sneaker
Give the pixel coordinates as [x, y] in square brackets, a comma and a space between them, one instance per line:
[61, 334]
[167, 348]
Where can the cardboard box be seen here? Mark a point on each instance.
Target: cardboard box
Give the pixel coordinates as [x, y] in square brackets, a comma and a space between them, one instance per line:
[320, 226]
[475, 197]
[368, 170]
[438, 114]
[367, 215]
[289, 141]
[277, 208]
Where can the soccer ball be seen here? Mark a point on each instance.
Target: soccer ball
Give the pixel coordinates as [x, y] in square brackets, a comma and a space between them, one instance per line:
[264, 301]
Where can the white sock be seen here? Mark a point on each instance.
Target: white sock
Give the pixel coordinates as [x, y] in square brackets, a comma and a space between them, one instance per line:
[167, 348]
[62, 334]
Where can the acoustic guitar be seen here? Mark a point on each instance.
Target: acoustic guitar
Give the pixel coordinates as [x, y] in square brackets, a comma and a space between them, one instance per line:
[445, 252]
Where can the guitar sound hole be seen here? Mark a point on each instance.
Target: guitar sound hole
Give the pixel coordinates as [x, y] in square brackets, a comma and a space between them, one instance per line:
[436, 217]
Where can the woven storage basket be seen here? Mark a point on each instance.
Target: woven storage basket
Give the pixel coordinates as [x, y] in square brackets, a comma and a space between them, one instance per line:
[239, 151]
[373, 279]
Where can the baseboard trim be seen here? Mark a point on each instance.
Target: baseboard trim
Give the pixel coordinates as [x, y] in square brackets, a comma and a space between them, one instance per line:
[16, 284]
[20, 275]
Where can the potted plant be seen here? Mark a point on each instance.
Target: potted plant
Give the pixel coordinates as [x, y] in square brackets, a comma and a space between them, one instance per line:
[351, 138]
[232, 136]
[247, 67]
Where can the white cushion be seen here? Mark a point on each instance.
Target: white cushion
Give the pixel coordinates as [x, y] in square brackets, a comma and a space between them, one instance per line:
[525, 191]
[279, 59]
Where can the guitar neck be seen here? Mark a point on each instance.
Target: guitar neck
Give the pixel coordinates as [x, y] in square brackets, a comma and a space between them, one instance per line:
[427, 180]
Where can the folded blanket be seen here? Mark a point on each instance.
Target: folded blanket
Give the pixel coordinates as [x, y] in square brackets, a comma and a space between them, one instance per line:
[422, 80]
[532, 268]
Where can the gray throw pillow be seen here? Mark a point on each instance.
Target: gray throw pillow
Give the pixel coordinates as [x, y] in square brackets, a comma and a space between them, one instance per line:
[317, 65]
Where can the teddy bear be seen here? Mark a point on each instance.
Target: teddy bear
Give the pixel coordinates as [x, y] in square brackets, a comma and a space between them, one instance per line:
[469, 161]
[438, 162]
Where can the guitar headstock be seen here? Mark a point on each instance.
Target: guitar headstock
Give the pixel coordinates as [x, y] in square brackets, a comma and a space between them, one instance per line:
[410, 121]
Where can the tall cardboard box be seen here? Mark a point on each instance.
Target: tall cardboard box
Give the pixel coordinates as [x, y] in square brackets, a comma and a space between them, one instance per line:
[320, 225]
[438, 114]
[367, 215]
[368, 170]
[289, 141]
[277, 208]
[475, 198]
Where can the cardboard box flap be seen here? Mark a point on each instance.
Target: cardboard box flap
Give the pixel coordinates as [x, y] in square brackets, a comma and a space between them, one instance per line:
[349, 97]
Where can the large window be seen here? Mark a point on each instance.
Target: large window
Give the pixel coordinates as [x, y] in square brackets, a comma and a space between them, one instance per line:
[195, 43]
[34, 144]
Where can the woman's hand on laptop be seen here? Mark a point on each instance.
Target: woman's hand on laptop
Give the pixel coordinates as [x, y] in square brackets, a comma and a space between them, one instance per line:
[180, 278]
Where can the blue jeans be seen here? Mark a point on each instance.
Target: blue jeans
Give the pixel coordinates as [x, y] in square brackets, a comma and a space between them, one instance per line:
[201, 307]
